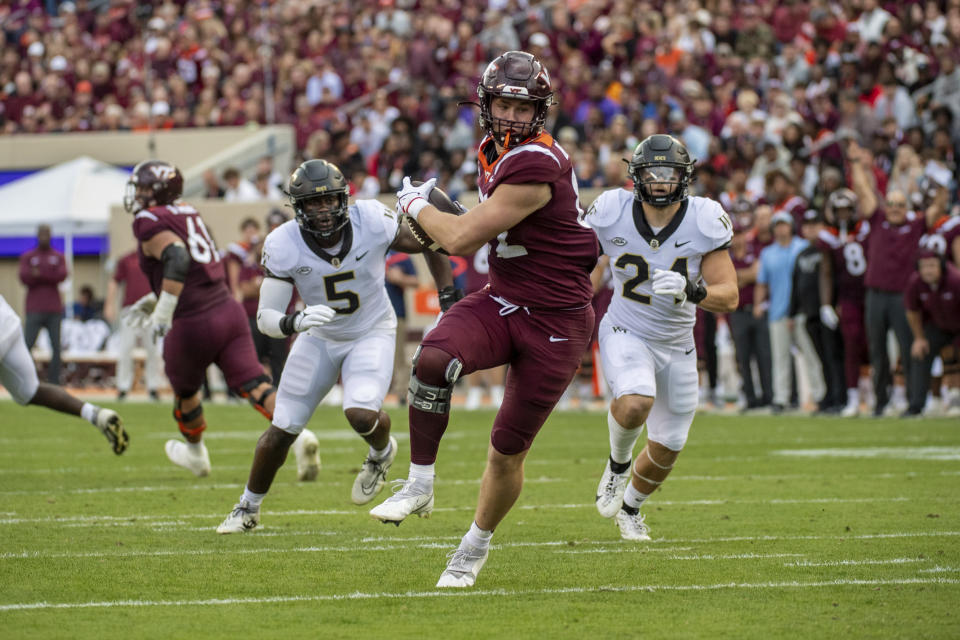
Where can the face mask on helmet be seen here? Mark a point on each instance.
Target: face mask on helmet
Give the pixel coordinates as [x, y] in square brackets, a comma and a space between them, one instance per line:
[659, 185]
[322, 215]
[136, 197]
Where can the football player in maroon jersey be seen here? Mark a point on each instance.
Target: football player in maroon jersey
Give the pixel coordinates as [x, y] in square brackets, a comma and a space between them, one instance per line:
[191, 307]
[534, 315]
[842, 290]
[932, 301]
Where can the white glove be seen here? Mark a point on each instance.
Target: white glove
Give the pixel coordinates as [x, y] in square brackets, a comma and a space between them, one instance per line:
[670, 283]
[828, 316]
[138, 315]
[162, 316]
[315, 315]
[411, 200]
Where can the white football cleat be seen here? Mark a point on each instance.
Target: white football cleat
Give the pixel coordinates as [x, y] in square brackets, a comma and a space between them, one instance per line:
[463, 567]
[632, 527]
[306, 448]
[243, 518]
[851, 410]
[111, 426]
[610, 491]
[372, 476]
[410, 497]
[191, 457]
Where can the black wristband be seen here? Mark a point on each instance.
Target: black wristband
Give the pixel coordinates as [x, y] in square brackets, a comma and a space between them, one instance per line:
[448, 296]
[695, 292]
[286, 323]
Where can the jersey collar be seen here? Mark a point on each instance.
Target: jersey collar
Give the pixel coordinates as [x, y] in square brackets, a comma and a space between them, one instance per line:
[323, 254]
[643, 227]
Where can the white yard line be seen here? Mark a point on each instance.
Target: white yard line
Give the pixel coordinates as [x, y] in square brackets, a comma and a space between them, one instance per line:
[901, 453]
[207, 487]
[388, 544]
[478, 593]
[854, 563]
[145, 518]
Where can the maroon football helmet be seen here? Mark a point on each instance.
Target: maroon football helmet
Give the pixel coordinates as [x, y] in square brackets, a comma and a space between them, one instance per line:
[841, 209]
[152, 183]
[518, 75]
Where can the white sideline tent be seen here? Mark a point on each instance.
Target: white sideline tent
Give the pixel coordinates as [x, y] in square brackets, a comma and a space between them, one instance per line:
[74, 198]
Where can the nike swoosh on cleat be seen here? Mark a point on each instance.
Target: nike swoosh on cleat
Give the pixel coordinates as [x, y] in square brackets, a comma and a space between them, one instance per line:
[555, 339]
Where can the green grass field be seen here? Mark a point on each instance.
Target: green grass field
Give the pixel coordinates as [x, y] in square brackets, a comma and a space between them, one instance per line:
[769, 528]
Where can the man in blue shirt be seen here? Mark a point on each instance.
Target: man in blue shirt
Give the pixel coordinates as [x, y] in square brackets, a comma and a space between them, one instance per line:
[772, 296]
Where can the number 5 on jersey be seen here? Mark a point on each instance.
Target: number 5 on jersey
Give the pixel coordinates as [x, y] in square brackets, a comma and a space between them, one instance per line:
[352, 299]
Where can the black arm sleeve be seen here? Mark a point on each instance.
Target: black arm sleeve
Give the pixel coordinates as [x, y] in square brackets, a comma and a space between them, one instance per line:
[176, 262]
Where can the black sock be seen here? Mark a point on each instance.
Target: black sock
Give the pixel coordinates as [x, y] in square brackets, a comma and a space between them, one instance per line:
[619, 467]
[630, 511]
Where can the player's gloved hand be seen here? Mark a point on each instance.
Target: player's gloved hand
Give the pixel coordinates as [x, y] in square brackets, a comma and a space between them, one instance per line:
[315, 315]
[411, 200]
[448, 296]
[828, 316]
[162, 316]
[138, 315]
[677, 285]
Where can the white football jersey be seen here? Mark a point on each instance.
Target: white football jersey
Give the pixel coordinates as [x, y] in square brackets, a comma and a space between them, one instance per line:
[351, 281]
[9, 325]
[699, 227]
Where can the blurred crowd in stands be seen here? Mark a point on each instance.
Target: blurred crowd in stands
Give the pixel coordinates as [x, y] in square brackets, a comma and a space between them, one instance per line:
[783, 103]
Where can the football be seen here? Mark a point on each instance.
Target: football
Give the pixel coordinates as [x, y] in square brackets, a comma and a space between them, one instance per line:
[439, 199]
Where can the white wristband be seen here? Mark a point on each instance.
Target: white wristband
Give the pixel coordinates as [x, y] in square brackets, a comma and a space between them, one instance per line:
[415, 207]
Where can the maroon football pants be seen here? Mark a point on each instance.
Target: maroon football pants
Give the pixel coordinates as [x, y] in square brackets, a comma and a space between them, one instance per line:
[543, 348]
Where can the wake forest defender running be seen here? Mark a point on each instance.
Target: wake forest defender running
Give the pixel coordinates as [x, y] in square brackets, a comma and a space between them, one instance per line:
[668, 254]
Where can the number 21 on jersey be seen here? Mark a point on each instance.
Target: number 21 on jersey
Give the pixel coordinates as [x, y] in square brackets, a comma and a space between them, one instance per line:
[643, 274]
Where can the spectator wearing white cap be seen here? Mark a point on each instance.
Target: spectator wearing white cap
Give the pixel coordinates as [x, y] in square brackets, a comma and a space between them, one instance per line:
[772, 297]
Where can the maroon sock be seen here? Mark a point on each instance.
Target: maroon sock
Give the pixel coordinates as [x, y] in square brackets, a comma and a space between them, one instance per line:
[426, 429]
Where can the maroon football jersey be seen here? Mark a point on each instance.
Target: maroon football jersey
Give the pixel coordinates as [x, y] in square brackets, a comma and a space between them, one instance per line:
[745, 261]
[546, 259]
[849, 260]
[206, 285]
[940, 307]
[891, 250]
